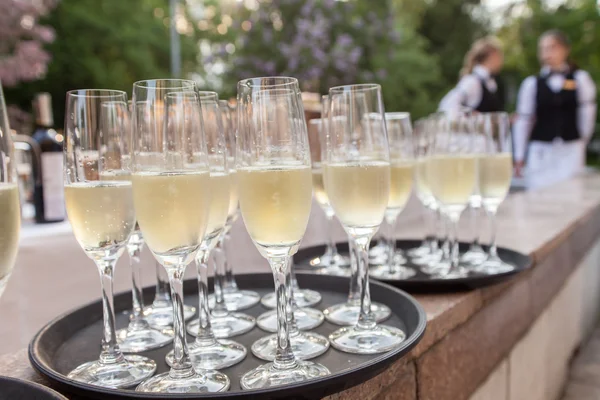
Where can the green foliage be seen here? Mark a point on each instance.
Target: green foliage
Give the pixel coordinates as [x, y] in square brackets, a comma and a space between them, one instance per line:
[104, 44]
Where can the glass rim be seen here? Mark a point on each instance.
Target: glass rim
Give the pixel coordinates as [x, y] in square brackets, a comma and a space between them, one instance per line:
[207, 95]
[96, 93]
[285, 81]
[359, 87]
[397, 115]
[151, 83]
[316, 120]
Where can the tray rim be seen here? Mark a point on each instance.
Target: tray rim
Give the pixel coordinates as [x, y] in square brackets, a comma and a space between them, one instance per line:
[46, 389]
[388, 357]
[426, 285]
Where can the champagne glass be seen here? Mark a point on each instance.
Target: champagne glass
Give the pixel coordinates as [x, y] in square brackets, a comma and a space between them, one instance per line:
[275, 189]
[10, 208]
[331, 262]
[207, 352]
[102, 216]
[224, 323]
[139, 336]
[401, 172]
[357, 180]
[495, 174]
[170, 181]
[452, 173]
[235, 299]
[160, 313]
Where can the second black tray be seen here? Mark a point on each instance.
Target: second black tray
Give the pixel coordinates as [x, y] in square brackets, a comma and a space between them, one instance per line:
[422, 282]
[74, 338]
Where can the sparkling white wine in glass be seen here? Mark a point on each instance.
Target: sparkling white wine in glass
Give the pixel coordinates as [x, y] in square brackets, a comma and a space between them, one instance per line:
[495, 174]
[319, 185]
[275, 203]
[171, 209]
[452, 179]
[220, 194]
[10, 225]
[101, 213]
[401, 178]
[358, 191]
[233, 192]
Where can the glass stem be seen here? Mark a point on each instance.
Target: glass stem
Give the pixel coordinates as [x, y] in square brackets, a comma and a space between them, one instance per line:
[220, 309]
[475, 226]
[354, 292]
[453, 240]
[138, 321]
[331, 249]
[493, 246]
[284, 357]
[110, 353]
[205, 334]
[162, 297]
[366, 319]
[225, 242]
[182, 366]
[291, 302]
[391, 245]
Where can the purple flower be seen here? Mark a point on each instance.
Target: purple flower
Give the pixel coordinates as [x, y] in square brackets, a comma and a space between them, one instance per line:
[381, 74]
[267, 35]
[307, 8]
[293, 63]
[344, 40]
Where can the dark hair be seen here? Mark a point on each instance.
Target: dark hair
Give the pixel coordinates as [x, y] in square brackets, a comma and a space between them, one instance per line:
[563, 40]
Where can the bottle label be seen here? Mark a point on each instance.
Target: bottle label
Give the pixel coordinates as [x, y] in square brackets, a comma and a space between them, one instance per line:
[53, 187]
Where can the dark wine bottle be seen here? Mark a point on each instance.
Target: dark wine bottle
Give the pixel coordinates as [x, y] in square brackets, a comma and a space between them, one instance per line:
[48, 196]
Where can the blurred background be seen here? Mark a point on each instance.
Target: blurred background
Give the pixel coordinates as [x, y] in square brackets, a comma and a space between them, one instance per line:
[414, 48]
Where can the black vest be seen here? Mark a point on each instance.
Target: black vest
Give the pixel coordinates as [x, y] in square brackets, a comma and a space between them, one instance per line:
[556, 113]
[490, 101]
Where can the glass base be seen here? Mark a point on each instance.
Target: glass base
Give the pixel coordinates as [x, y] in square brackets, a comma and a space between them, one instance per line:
[305, 345]
[232, 324]
[493, 266]
[236, 300]
[327, 261]
[398, 272]
[334, 271]
[302, 297]
[130, 372]
[379, 339]
[456, 273]
[163, 316]
[205, 382]
[379, 250]
[267, 375]
[421, 251]
[137, 340]
[475, 256]
[347, 313]
[216, 354]
[306, 319]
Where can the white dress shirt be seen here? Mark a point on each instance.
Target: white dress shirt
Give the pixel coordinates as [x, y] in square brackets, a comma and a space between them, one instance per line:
[526, 107]
[468, 91]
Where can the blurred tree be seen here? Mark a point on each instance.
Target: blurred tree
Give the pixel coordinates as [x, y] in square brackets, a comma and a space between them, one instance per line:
[450, 27]
[107, 44]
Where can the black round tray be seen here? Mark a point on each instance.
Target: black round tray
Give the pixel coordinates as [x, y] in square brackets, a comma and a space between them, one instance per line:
[11, 389]
[422, 282]
[74, 338]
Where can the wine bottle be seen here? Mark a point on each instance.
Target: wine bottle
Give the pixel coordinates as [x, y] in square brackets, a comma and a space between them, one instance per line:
[48, 196]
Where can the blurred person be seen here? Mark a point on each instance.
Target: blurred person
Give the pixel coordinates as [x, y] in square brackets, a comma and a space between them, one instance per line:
[556, 114]
[477, 89]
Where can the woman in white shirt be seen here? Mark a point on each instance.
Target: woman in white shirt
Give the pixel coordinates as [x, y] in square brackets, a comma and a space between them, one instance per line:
[556, 114]
[477, 89]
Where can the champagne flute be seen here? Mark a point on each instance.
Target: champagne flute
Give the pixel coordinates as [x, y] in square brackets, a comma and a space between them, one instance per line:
[275, 189]
[102, 216]
[401, 172]
[224, 323]
[331, 262]
[170, 181]
[10, 207]
[452, 173]
[139, 336]
[235, 299]
[160, 313]
[357, 180]
[475, 255]
[495, 174]
[207, 352]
